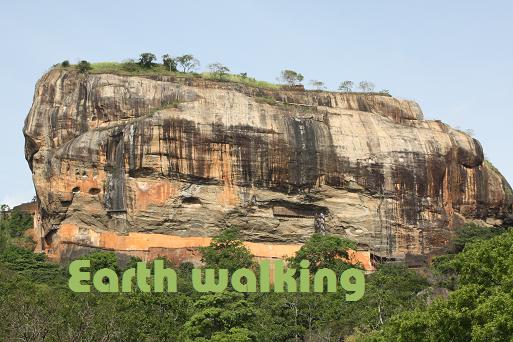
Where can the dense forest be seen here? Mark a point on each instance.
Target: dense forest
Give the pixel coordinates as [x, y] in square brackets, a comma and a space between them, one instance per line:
[465, 296]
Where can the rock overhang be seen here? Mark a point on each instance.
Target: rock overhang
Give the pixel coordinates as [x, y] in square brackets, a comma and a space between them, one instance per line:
[188, 157]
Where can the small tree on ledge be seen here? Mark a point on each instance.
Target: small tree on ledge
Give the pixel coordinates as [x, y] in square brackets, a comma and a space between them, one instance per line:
[218, 70]
[317, 85]
[366, 87]
[346, 86]
[291, 77]
[188, 63]
[169, 62]
[227, 251]
[84, 66]
[146, 59]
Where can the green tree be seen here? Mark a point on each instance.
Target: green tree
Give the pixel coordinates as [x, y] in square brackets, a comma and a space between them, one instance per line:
[472, 232]
[346, 86]
[102, 259]
[317, 85]
[218, 70]
[278, 316]
[130, 65]
[147, 59]
[291, 77]
[324, 251]
[84, 67]
[392, 289]
[188, 63]
[366, 86]
[15, 224]
[233, 335]
[32, 266]
[226, 251]
[169, 62]
[219, 316]
[481, 307]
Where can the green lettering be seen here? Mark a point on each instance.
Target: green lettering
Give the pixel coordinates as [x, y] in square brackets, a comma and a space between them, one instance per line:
[304, 276]
[265, 282]
[77, 276]
[331, 278]
[281, 277]
[160, 273]
[209, 285]
[357, 287]
[111, 285]
[142, 277]
[127, 280]
[250, 277]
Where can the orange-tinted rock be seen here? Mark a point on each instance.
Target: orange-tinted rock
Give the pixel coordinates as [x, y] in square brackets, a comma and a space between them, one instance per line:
[177, 248]
[130, 160]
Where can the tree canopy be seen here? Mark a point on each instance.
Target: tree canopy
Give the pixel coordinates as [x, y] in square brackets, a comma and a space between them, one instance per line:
[147, 59]
[37, 305]
[291, 77]
[226, 251]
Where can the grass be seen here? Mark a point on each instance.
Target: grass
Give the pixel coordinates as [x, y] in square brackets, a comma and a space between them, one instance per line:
[134, 69]
[249, 81]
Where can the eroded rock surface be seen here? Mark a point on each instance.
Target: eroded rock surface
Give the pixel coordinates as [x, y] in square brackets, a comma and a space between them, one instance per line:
[188, 157]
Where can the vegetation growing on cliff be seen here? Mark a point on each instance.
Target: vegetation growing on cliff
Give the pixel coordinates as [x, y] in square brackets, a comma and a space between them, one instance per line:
[480, 308]
[36, 304]
[13, 225]
[186, 66]
[291, 77]
[228, 252]
[249, 81]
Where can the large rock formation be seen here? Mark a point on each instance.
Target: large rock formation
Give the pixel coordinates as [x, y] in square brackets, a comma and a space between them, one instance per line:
[118, 157]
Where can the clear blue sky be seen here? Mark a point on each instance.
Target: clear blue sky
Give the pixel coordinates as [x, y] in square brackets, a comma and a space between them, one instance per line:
[454, 57]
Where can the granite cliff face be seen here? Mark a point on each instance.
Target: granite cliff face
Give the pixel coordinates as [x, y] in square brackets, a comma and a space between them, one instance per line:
[142, 164]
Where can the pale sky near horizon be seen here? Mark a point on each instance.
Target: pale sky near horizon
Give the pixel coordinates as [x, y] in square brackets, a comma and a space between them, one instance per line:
[453, 57]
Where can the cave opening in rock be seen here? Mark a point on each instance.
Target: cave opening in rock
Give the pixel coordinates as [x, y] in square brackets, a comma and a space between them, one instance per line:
[94, 191]
[191, 200]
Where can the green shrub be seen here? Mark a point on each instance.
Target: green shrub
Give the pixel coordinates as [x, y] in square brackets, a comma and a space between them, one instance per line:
[291, 77]
[84, 67]
[324, 251]
[102, 259]
[218, 70]
[130, 66]
[33, 266]
[146, 60]
[169, 62]
[472, 232]
[227, 251]
[16, 224]
[242, 79]
[481, 307]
